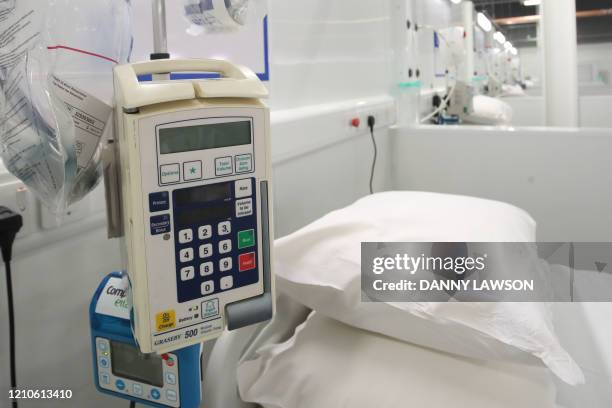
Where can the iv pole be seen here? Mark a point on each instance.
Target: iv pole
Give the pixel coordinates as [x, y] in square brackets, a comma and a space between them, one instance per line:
[160, 36]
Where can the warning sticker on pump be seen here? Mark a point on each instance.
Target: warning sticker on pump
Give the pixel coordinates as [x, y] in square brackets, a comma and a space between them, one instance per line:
[165, 320]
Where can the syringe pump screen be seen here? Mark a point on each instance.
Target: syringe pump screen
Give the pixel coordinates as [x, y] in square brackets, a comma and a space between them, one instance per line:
[203, 137]
[204, 215]
[203, 194]
[129, 362]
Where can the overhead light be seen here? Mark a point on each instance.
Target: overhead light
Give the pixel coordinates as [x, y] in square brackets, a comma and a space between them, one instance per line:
[500, 37]
[455, 1]
[530, 3]
[513, 51]
[508, 45]
[484, 22]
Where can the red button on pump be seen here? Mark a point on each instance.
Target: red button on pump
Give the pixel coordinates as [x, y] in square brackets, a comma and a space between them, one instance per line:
[246, 262]
[355, 122]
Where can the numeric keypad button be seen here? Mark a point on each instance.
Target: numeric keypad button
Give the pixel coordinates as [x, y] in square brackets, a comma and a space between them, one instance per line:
[185, 236]
[186, 255]
[206, 251]
[225, 246]
[226, 282]
[207, 287]
[225, 264]
[206, 269]
[224, 228]
[205, 232]
[187, 273]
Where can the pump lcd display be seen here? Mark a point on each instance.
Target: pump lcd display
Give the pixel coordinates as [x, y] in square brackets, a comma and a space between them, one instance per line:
[202, 194]
[128, 362]
[203, 137]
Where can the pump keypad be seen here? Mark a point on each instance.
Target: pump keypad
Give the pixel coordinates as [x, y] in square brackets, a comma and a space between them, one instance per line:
[215, 238]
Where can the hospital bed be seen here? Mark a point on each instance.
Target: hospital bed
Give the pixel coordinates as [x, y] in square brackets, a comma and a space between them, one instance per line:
[302, 355]
[433, 379]
[580, 330]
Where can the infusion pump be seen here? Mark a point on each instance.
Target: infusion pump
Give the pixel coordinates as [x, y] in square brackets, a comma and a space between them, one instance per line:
[194, 179]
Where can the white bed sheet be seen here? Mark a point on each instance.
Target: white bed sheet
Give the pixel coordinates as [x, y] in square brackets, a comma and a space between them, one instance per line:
[585, 330]
[327, 364]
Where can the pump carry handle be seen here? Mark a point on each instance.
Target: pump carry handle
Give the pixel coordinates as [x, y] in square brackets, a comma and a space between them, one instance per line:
[163, 66]
[237, 82]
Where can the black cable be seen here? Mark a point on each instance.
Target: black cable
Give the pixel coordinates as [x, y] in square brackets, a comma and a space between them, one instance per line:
[11, 311]
[10, 224]
[371, 123]
[11, 322]
[132, 404]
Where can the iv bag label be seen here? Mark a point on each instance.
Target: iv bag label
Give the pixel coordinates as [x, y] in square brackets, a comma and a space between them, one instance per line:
[90, 116]
[113, 300]
[19, 36]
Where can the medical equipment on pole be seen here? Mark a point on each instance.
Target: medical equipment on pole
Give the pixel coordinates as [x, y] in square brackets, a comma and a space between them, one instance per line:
[194, 160]
[121, 370]
[187, 179]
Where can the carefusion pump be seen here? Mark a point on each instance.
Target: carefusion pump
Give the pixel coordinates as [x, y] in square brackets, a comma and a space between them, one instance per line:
[121, 370]
[194, 184]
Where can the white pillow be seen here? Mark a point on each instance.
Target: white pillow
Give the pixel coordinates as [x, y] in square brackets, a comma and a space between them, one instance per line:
[319, 266]
[328, 364]
[489, 111]
[512, 90]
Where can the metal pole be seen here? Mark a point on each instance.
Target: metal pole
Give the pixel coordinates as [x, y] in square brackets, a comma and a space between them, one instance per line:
[160, 37]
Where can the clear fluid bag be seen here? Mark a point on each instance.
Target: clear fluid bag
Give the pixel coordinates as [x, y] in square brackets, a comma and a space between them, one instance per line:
[213, 16]
[56, 88]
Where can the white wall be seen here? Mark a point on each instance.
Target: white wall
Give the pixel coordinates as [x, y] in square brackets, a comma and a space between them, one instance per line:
[599, 54]
[595, 97]
[560, 176]
[594, 110]
[327, 51]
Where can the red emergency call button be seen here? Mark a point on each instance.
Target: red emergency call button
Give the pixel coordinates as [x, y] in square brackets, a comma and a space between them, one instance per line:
[246, 262]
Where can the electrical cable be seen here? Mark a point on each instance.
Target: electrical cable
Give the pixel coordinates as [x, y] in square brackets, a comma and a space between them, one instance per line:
[10, 224]
[371, 123]
[11, 322]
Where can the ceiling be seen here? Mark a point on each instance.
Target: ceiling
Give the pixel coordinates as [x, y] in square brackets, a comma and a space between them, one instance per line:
[593, 29]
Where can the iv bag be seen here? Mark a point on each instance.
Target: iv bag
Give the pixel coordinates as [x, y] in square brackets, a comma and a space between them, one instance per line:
[56, 88]
[215, 15]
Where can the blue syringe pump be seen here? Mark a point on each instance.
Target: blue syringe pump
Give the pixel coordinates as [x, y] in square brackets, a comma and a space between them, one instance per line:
[121, 370]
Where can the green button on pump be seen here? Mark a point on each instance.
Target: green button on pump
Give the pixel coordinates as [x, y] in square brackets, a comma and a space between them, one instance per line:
[246, 239]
